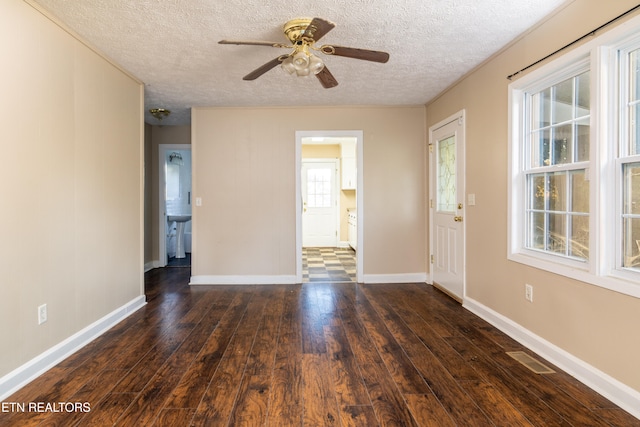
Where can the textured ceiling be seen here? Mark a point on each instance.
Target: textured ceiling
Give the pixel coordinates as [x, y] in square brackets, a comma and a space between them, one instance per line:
[172, 46]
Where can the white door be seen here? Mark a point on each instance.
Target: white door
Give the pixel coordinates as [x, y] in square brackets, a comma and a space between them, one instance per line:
[319, 204]
[446, 150]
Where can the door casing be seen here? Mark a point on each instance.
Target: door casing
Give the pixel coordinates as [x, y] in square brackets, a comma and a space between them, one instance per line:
[358, 134]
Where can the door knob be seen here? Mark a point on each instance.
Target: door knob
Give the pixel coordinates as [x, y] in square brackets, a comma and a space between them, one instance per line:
[457, 218]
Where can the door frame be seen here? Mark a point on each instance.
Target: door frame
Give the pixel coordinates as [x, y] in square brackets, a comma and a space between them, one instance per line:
[461, 168]
[358, 134]
[336, 189]
[163, 227]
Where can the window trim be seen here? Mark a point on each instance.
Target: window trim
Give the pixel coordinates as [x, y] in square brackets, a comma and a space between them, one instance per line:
[600, 56]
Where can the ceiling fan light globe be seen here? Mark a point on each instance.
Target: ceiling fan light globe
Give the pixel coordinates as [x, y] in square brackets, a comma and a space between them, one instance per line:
[287, 65]
[301, 60]
[315, 64]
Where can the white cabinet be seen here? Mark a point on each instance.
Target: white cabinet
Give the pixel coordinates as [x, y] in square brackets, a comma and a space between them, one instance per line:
[349, 176]
[348, 173]
[352, 229]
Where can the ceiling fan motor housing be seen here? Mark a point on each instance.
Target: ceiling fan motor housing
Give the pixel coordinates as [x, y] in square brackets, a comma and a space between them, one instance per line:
[296, 28]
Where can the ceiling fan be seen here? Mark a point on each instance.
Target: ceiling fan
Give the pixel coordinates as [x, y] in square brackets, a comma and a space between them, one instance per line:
[303, 33]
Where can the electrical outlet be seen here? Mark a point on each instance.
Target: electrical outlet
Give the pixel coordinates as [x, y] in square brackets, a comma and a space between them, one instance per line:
[528, 292]
[42, 314]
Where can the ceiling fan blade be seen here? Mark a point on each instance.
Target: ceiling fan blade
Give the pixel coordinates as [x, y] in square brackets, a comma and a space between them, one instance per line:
[252, 43]
[326, 78]
[352, 52]
[318, 28]
[263, 69]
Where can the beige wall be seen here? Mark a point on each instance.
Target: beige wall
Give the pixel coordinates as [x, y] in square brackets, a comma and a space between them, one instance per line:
[596, 325]
[71, 183]
[244, 171]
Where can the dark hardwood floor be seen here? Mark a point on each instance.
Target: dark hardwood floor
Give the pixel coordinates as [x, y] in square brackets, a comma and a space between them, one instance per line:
[313, 354]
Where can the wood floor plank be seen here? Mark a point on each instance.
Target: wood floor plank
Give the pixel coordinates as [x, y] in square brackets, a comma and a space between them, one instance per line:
[263, 352]
[539, 385]
[151, 400]
[428, 411]
[46, 389]
[493, 403]
[358, 416]
[108, 410]
[171, 417]
[285, 399]
[617, 417]
[532, 406]
[404, 304]
[388, 405]
[320, 407]
[347, 381]
[225, 316]
[155, 347]
[252, 402]
[312, 322]
[217, 407]
[451, 396]
[392, 353]
[92, 391]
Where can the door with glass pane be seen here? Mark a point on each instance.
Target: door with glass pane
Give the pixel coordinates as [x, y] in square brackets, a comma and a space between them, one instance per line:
[319, 204]
[447, 208]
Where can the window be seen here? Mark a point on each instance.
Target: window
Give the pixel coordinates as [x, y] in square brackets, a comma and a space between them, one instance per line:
[446, 192]
[319, 188]
[629, 161]
[557, 188]
[574, 194]
[172, 174]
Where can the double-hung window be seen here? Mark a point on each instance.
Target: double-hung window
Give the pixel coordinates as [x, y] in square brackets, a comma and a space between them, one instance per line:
[628, 162]
[574, 191]
[556, 168]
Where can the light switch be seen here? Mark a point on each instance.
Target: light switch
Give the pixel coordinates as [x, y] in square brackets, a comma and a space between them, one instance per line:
[198, 201]
[471, 199]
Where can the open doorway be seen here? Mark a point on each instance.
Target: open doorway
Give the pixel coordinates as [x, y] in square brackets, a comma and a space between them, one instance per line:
[328, 195]
[174, 205]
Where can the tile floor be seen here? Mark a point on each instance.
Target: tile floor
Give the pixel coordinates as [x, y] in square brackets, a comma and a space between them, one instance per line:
[328, 265]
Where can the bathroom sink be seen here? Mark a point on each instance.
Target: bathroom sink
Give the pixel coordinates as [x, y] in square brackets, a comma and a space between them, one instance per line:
[180, 221]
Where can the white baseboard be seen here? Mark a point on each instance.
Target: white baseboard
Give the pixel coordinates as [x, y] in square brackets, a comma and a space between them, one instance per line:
[620, 394]
[396, 278]
[243, 280]
[26, 373]
[151, 265]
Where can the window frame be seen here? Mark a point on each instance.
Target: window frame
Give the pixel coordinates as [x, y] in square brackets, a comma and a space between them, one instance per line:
[603, 57]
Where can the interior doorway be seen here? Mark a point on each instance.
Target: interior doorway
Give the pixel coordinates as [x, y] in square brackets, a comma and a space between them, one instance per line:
[319, 213]
[174, 205]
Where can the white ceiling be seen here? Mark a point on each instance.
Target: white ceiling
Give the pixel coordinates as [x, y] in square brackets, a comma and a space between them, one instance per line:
[172, 46]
